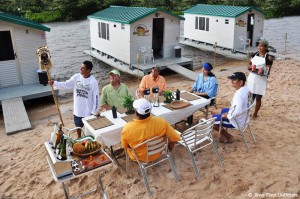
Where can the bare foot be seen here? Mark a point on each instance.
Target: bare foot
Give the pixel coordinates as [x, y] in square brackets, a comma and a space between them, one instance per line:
[254, 116]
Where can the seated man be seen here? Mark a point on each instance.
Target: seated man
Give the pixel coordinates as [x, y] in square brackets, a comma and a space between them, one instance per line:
[153, 80]
[206, 84]
[144, 128]
[239, 104]
[113, 94]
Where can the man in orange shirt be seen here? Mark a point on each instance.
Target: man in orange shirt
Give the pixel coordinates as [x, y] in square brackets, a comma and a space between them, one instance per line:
[144, 128]
[153, 80]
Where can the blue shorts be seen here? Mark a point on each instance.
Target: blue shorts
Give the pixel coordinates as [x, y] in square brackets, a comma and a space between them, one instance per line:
[78, 121]
[225, 121]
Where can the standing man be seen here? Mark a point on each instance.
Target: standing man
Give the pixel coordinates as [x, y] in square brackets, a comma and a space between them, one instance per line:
[114, 93]
[153, 80]
[85, 93]
[144, 128]
[239, 104]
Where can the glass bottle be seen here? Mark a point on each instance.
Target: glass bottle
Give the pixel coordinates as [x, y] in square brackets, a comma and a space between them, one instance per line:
[63, 149]
[114, 111]
[59, 134]
[177, 94]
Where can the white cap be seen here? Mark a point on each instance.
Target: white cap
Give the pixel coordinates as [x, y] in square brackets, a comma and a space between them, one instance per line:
[142, 106]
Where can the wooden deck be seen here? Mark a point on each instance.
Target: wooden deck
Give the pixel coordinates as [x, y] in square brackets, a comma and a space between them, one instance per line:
[140, 69]
[15, 115]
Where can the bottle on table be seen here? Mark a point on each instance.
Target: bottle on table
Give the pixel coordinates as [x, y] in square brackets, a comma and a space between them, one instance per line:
[59, 134]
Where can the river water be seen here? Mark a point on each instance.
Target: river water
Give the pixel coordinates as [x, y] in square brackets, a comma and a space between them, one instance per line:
[67, 40]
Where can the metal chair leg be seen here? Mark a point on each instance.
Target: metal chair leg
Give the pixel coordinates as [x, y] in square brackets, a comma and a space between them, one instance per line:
[245, 141]
[102, 188]
[251, 134]
[197, 173]
[173, 167]
[218, 153]
[144, 174]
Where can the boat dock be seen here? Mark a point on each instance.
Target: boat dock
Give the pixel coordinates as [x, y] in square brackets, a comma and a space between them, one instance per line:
[14, 111]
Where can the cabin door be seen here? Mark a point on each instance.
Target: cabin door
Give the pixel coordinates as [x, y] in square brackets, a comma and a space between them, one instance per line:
[250, 27]
[158, 37]
[9, 75]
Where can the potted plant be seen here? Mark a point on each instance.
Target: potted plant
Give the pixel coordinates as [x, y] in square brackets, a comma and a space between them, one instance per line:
[169, 96]
[128, 104]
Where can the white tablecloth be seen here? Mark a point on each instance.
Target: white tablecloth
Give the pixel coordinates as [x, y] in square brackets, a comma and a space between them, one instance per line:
[111, 135]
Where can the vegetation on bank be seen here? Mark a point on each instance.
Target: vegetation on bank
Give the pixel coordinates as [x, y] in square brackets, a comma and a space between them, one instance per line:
[67, 10]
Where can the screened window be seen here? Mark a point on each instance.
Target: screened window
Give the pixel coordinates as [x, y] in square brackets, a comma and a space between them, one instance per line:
[122, 26]
[202, 23]
[103, 30]
[226, 21]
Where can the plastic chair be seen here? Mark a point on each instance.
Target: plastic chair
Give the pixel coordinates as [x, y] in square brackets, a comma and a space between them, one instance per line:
[146, 52]
[244, 41]
[242, 128]
[155, 145]
[213, 102]
[199, 137]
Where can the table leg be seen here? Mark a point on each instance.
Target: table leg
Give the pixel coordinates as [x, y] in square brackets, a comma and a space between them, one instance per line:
[102, 188]
[190, 120]
[113, 155]
[65, 190]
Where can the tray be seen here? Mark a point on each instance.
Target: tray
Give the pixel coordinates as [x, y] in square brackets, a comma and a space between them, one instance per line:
[188, 96]
[177, 104]
[90, 163]
[86, 154]
[99, 122]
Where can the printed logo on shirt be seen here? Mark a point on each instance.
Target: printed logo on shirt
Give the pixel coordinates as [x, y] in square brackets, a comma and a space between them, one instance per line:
[82, 90]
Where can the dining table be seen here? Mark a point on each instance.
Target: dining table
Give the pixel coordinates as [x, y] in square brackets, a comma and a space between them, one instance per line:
[107, 130]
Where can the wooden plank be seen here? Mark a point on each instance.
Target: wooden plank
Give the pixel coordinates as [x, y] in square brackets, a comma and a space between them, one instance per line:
[183, 71]
[15, 115]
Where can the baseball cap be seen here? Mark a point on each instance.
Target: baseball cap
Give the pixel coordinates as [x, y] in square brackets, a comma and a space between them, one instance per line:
[142, 106]
[116, 72]
[238, 75]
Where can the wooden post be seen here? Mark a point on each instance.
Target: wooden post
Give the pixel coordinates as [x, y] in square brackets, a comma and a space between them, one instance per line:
[215, 47]
[285, 41]
[45, 64]
[248, 52]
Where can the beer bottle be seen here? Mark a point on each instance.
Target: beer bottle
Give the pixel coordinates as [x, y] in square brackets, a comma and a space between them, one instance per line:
[63, 150]
[59, 134]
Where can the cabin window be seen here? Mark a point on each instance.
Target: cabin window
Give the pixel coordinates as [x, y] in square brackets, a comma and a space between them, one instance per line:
[103, 30]
[226, 21]
[202, 23]
[123, 26]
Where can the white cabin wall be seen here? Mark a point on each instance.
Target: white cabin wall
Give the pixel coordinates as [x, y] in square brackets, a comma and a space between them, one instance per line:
[218, 32]
[171, 34]
[26, 40]
[137, 41]
[27, 44]
[258, 26]
[119, 40]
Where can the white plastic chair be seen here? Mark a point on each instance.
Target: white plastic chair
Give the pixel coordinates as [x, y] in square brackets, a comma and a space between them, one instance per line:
[242, 128]
[146, 52]
[244, 41]
[155, 145]
[198, 137]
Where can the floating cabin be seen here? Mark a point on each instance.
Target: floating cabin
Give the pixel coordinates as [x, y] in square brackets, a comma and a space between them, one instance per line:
[19, 40]
[226, 27]
[134, 39]
[19, 80]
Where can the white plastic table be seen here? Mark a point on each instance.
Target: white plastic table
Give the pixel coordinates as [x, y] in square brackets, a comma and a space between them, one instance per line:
[111, 135]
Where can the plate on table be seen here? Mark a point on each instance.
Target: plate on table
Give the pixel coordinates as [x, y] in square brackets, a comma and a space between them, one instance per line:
[86, 154]
[177, 104]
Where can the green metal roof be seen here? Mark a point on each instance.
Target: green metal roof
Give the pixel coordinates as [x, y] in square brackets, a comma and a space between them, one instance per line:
[127, 15]
[220, 10]
[22, 21]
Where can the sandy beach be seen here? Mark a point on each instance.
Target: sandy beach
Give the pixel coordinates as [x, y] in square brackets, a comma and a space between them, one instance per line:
[270, 170]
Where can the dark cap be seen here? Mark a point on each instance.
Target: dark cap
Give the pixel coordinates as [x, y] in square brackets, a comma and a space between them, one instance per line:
[238, 75]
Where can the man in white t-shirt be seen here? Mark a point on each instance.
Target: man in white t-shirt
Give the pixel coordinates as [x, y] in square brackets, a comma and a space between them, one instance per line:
[239, 104]
[85, 92]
